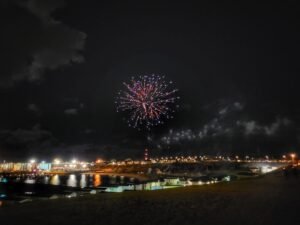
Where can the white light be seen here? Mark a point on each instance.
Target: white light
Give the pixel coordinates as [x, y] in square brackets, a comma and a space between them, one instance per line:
[56, 161]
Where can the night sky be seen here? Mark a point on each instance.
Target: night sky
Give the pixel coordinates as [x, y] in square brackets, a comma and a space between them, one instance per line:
[63, 62]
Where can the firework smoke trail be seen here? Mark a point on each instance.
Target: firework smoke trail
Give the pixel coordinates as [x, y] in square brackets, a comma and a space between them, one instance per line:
[148, 101]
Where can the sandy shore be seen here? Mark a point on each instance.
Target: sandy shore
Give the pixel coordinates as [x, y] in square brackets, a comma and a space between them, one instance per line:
[272, 199]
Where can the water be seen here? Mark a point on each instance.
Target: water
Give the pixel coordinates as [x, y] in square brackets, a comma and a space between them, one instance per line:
[45, 186]
[14, 186]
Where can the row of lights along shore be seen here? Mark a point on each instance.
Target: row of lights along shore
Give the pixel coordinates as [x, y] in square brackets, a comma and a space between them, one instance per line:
[291, 156]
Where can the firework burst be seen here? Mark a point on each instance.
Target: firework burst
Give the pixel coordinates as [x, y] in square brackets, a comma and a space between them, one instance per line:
[148, 100]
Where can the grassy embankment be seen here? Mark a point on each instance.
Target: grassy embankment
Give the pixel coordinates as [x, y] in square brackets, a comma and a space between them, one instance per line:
[272, 199]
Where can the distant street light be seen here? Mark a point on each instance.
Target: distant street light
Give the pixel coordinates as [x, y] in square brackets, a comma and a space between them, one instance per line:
[99, 161]
[56, 161]
[293, 156]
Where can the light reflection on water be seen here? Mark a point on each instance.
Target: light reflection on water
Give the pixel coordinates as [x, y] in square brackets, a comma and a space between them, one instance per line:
[55, 180]
[29, 181]
[97, 180]
[83, 182]
[46, 180]
[72, 180]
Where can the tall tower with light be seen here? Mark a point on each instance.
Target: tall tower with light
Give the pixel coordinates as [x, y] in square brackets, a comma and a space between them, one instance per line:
[146, 154]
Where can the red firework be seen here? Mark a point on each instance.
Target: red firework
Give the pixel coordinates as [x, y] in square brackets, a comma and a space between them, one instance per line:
[148, 101]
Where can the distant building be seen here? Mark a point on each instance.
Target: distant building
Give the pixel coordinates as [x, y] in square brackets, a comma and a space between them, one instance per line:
[44, 166]
[173, 181]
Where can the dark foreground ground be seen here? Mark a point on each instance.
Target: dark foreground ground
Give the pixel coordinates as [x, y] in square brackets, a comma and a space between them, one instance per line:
[272, 199]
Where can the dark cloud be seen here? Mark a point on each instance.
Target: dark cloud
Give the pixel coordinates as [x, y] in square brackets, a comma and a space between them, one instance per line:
[88, 131]
[23, 142]
[81, 105]
[34, 41]
[34, 108]
[72, 111]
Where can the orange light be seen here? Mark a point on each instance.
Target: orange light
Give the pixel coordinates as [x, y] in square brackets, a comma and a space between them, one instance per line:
[99, 161]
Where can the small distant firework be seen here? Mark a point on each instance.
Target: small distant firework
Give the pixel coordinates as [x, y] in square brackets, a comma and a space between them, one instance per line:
[148, 100]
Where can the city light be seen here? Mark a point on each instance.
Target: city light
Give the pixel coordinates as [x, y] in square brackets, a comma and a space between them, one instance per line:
[58, 165]
[99, 161]
[56, 161]
[293, 156]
